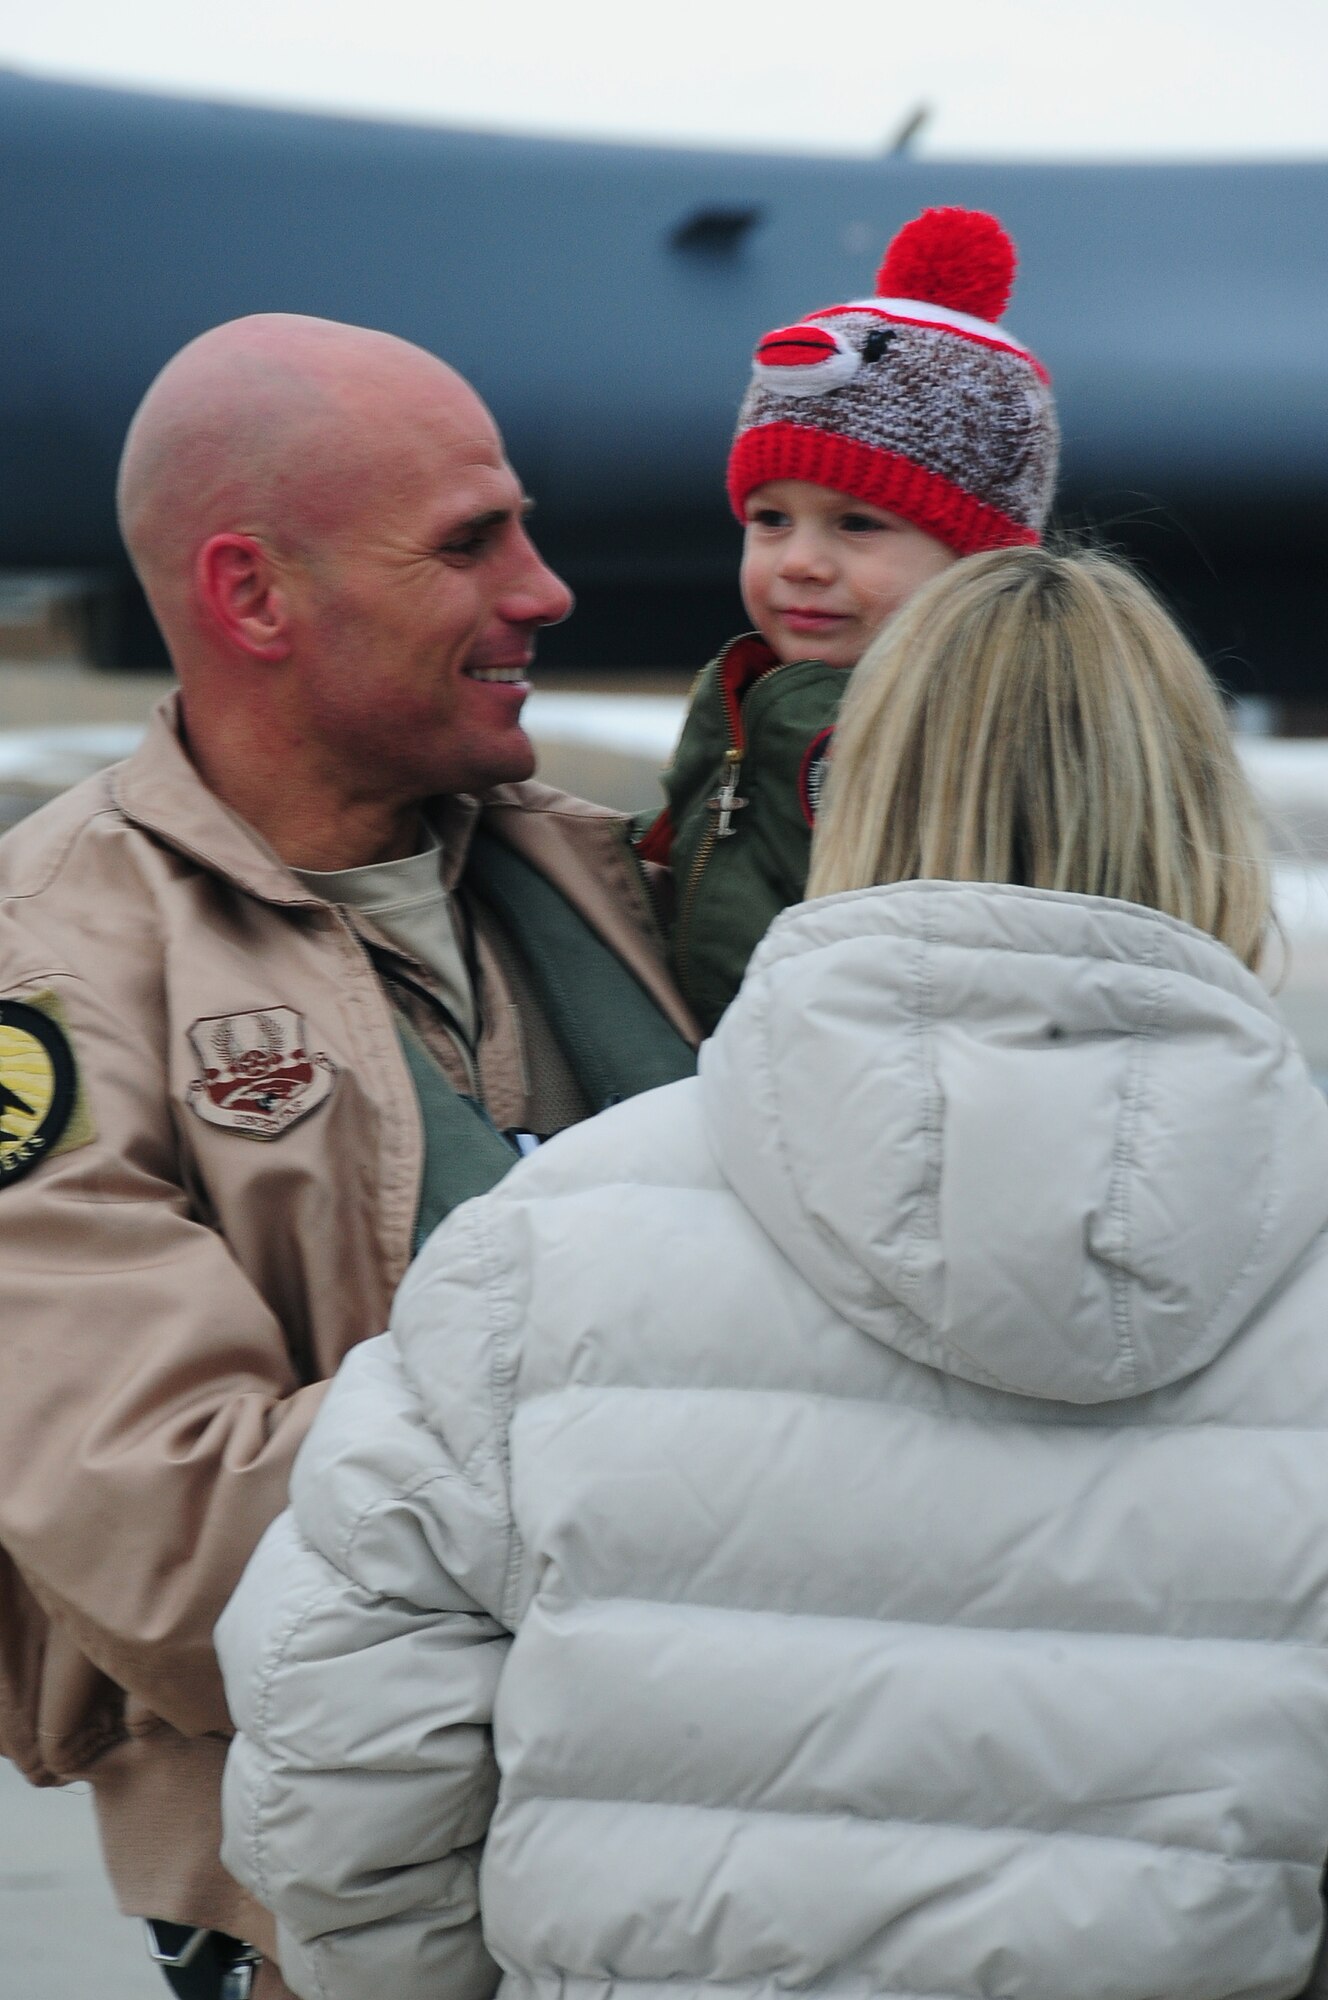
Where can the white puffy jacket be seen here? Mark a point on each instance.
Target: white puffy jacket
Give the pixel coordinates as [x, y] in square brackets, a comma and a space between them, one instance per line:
[901, 1455]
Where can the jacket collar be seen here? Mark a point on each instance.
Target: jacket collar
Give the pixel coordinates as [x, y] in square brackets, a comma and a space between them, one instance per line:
[159, 789]
[580, 848]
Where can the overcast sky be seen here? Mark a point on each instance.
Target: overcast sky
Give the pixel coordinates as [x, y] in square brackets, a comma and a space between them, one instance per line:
[1144, 78]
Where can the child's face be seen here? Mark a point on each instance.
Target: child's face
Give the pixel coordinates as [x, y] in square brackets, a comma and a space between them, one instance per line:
[822, 572]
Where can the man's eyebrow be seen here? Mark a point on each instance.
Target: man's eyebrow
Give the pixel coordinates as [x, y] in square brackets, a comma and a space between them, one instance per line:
[493, 517]
[475, 524]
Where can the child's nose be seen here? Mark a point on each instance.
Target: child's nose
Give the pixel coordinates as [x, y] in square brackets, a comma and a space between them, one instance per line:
[805, 554]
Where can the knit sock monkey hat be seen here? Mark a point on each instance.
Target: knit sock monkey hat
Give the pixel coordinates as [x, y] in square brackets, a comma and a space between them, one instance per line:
[916, 400]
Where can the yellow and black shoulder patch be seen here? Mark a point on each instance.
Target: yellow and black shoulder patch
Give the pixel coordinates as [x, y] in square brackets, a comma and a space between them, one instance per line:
[41, 1106]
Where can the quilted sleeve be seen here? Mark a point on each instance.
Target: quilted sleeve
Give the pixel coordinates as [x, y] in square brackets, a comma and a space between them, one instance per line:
[361, 1659]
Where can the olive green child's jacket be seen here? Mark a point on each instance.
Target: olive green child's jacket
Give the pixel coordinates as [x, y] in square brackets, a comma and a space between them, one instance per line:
[742, 795]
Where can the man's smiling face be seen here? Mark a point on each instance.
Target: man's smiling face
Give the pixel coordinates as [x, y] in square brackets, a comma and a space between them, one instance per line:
[418, 610]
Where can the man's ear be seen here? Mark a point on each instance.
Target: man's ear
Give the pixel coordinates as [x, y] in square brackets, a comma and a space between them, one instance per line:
[241, 594]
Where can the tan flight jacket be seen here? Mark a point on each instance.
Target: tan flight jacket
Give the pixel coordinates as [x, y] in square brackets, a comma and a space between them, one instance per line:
[175, 1292]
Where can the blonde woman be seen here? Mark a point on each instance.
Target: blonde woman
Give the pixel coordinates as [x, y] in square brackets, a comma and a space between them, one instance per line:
[866, 1520]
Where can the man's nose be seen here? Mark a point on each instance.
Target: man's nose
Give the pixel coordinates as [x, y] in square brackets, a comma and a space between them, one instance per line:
[538, 596]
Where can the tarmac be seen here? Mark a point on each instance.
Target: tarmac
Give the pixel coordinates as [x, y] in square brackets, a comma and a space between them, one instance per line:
[61, 1936]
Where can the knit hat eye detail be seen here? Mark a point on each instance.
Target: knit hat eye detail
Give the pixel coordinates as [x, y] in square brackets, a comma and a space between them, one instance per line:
[915, 400]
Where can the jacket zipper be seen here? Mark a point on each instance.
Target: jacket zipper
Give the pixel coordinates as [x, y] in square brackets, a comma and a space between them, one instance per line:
[724, 804]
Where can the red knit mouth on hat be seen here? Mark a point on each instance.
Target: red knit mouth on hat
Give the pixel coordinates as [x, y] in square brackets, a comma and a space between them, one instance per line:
[796, 347]
[805, 360]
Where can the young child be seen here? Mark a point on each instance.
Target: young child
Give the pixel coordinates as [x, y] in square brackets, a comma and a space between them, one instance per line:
[877, 443]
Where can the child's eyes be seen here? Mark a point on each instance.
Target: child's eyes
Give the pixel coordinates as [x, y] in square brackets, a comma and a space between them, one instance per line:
[774, 518]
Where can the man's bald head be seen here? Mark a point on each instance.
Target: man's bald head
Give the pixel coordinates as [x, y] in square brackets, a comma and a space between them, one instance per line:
[335, 547]
[276, 426]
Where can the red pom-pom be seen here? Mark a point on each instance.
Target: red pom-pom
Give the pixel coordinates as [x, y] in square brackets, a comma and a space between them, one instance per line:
[956, 257]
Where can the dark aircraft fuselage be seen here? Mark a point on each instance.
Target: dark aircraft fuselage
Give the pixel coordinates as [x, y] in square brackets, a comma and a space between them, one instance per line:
[605, 300]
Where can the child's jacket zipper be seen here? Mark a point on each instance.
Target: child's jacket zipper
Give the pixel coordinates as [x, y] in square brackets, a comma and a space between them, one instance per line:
[734, 689]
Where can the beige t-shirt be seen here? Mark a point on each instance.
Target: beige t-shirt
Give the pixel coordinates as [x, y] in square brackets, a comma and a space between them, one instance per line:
[407, 901]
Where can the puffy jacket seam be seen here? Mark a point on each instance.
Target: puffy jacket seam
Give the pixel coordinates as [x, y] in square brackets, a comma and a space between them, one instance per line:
[1257, 1245]
[309, 1952]
[1029, 1629]
[857, 1991]
[282, 1641]
[760, 1044]
[491, 1445]
[568, 1981]
[502, 1400]
[1145, 1038]
[1080, 951]
[1183, 1850]
[922, 994]
[1119, 1198]
[1066, 1418]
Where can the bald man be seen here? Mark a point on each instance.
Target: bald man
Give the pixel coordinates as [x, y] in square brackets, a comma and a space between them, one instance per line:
[312, 966]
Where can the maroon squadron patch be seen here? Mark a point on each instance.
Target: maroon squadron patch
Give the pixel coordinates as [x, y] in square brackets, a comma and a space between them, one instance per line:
[258, 1076]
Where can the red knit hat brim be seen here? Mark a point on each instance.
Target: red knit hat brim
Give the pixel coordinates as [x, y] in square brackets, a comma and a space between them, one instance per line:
[881, 478]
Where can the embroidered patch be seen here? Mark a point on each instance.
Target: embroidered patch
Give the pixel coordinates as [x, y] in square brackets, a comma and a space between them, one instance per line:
[257, 1074]
[40, 1107]
[811, 778]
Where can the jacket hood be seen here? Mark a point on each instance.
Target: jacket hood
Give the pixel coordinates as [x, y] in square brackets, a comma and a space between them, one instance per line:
[1059, 1145]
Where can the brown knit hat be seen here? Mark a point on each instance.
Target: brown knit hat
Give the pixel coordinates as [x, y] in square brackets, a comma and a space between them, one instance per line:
[915, 401]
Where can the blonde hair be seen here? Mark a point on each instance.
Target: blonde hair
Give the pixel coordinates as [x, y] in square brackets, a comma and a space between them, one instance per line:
[1039, 719]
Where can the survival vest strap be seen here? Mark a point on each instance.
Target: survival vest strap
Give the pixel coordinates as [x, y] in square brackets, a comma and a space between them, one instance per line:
[464, 1152]
[613, 1034]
